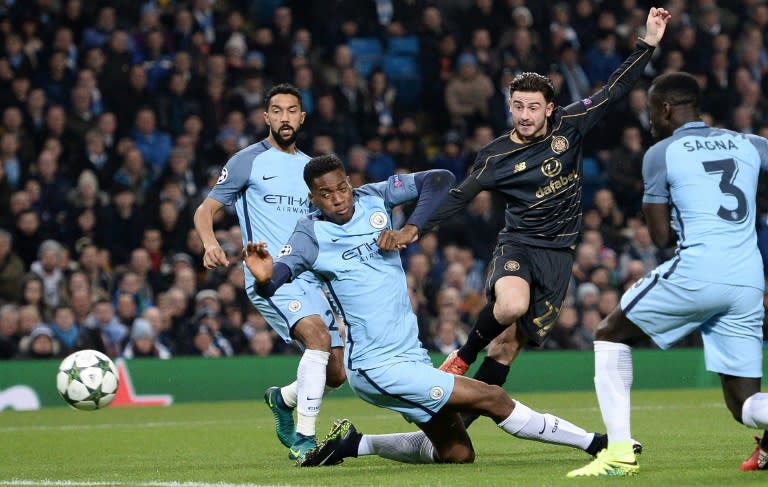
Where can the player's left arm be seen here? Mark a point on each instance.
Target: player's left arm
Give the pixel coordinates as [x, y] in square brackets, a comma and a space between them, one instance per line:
[588, 112]
[431, 187]
[761, 144]
[295, 257]
[656, 197]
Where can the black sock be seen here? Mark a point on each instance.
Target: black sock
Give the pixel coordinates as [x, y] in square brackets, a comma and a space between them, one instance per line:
[599, 442]
[352, 444]
[491, 372]
[486, 329]
[764, 441]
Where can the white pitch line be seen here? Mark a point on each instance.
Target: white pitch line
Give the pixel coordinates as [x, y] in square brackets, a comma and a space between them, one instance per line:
[151, 424]
[80, 483]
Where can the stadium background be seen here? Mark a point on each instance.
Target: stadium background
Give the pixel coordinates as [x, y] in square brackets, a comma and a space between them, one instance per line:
[117, 117]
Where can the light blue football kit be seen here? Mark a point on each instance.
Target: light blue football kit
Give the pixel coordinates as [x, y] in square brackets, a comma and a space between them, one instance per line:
[715, 282]
[267, 188]
[386, 364]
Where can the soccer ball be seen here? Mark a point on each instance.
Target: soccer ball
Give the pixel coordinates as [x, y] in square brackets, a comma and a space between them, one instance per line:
[87, 380]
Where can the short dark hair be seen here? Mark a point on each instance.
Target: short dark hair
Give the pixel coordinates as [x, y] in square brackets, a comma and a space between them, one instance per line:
[533, 82]
[317, 166]
[679, 88]
[283, 89]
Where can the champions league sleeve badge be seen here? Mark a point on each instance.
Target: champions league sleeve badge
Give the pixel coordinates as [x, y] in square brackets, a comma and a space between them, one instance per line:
[222, 176]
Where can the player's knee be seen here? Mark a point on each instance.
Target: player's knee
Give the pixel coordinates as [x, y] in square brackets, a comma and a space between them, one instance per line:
[312, 333]
[335, 375]
[458, 453]
[508, 311]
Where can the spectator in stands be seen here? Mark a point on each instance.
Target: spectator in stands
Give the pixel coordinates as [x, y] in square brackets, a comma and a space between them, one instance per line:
[39, 344]
[9, 331]
[49, 267]
[143, 342]
[12, 269]
[467, 93]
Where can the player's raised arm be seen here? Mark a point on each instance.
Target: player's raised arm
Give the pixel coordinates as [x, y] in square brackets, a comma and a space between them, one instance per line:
[656, 25]
[432, 186]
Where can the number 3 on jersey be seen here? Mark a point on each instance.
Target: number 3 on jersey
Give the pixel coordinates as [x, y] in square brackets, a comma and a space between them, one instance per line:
[727, 170]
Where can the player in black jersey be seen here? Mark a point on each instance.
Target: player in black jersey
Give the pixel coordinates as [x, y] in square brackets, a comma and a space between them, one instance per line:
[537, 166]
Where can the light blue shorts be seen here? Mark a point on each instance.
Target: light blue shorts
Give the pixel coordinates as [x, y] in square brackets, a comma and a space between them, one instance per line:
[667, 307]
[293, 301]
[415, 389]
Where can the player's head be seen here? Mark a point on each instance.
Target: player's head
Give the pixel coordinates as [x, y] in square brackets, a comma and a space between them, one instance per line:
[329, 188]
[673, 100]
[284, 114]
[530, 103]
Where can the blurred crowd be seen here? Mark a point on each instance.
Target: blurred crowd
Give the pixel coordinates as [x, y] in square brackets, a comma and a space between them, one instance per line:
[117, 116]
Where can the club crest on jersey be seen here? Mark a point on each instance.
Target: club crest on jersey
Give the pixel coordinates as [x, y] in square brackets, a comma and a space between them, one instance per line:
[396, 182]
[559, 144]
[378, 220]
[512, 266]
[551, 167]
[286, 250]
[294, 306]
[222, 176]
[436, 393]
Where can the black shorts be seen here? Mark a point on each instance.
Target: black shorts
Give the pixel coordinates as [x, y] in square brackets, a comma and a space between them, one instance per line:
[548, 274]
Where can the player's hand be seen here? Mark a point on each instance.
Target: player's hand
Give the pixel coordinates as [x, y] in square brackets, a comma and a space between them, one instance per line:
[215, 257]
[656, 25]
[259, 262]
[397, 239]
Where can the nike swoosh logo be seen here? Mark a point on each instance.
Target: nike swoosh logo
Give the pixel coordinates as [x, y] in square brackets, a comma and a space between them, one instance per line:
[267, 178]
[295, 453]
[314, 398]
[543, 427]
[335, 239]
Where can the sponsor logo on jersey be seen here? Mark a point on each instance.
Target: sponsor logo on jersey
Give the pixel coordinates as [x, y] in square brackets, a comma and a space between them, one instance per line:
[559, 144]
[294, 306]
[555, 185]
[288, 203]
[364, 251]
[223, 175]
[512, 266]
[286, 250]
[551, 167]
[436, 392]
[587, 101]
[378, 220]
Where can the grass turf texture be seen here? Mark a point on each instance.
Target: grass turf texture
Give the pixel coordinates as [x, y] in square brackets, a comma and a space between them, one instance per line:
[689, 439]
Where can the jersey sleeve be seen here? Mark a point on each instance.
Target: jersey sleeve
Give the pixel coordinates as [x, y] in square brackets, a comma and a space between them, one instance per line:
[585, 114]
[656, 187]
[761, 144]
[301, 251]
[397, 189]
[233, 178]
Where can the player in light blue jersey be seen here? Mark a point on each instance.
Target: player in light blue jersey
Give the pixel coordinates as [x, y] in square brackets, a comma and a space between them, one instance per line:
[703, 180]
[264, 183]
[350, 244]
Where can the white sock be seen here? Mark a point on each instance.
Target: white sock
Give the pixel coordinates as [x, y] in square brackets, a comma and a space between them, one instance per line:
[526, 423]
[310, 379]
[613, 382]
[289, 394]
[754, 412]
[401, 447]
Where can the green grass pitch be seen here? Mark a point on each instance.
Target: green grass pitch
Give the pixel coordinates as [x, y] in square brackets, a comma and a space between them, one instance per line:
[689, 439]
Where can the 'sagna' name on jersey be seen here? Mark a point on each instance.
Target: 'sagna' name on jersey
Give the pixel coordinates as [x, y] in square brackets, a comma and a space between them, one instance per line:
[717, 144]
